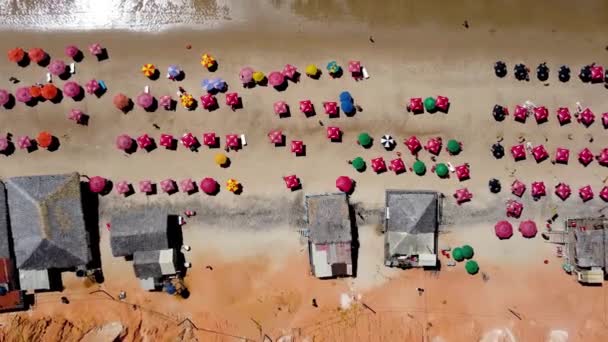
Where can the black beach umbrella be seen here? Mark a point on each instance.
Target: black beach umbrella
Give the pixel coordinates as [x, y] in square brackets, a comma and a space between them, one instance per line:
[499, 113]
[521, 72]
[585, 74]
[542, 72]
[606, 76]
[494, 185]
[498, 151]
[564, 73]
[500, 69]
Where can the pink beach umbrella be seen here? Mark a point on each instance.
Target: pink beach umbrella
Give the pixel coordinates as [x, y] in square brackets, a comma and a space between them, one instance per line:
[306, 106]
[290, 71]
[232, 100]
[232, 141]
[563, 191]
[208, 101]
[528, 229]
[397, 166]
[246, 75]
[71, 51]
[597, 73]
[123, 187]
[187, 185]
[354, 67]
[145, 186]
[518, 188]
[514, 209]
[521, 114]
[563, 116]
[145, 100]
[3, 144]
[71, 89]
[605, 120]
[538, 189]
[462, 172]
[209, 186]
[165, 101]
[280, 108]
[331, 108]
[97, 184]
[378, 165]
[297, 147]
[462, 195]
[585, 156]
[443, 103]
[540, 153]
[24, 142]
[433, 145]
[57, 67]
[586, 193]
[292, 182]
[413, 144]
[276, 79]
[604, 193]
[168, 185]
[587, 117]
[415, 105]
[334, 133]
[95, 49]
[518, 152]
[541, 114]
[503, 229]
[92, 86]
[344, 184]
[144, 141]
[602, 158]
[188, 140]
[562, 155]
[124, 142]
[4, 97]
[75, 115]
[166, 140]
[209, 139]
[23, 95]
[275, 136]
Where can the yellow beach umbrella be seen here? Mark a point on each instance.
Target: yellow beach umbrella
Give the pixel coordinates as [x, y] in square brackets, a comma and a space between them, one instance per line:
[232, 185]
[207, 61]
[258, 76]
[221, 159]
[312, 70]
[187, 100]
[148, 69]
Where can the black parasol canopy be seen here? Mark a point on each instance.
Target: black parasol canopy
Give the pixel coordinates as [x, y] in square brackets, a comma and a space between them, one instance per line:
[521, 72]
[542, 72]
[500, 69]
[498, 151]
[585, 74]
[499, 113]
[494, 185]
[564, 73]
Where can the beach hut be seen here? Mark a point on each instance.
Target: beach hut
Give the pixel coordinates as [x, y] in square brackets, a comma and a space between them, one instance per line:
[312, 71]
[585, 156]
[518, 188]
[413, 144]
[209, 186]
[168, 185]
[306, 107]
[124, 142]
[97, 184]
[72, 51]
[290, 71]
[503, 229]
[209, 139]
[189, 140]
[209, 102]
[378, 165]
[233, 100]
[49, 91]
[22, 94]
[24, 142]
[453, 147]
[540, 153]
[37, 55]
[604, 193]
[518, 152]
[123, 187]
[563, 116]
[597, 73]
[602, 158]
[233, 185]
[538, 189]
[528, 229]
[586, 193]
[419, 168]
[364, 139]
[562, 155]
[563, 191]
[144, 141]
[586, 117]
[5, 97]
[92, 86]
[44, 139]
[95, 49]
[280, 108]
[462, 195]
[173, 72]
[146, 187]
[166, 140]
[246, 75]
[334, 133]
[415, 105]
[208, 61]
[344, 184]
[433, 145]
[121, 101]
[57, 67]
[442, 170]
[463, 172]
[397, 166]
[297, 147]
[514, 209]
[16, 55]
[442, 103]
[331, 108]
[145, 100]
[232, 141]
[166, 102]
[354, 67]
[472, 267]
[521, 113]
[541, 114]
[292, 182]
[72, 89]
[275, 137]
[276, 79]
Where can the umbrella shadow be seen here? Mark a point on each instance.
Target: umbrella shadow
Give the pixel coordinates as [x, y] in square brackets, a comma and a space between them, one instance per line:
[153, 191]
[283, 86]
[153, 107]
[58, 98]
[180, 77]
[312, 112]
[282, 142]
[390, 147]
[352, 188]
[9, 150]
[104, 55]
[317, 75]
[194, 106]
[362, 169]
[65, 75]
[195, 146]
[45, 61]
[55, 144]
[80, 96]
[249, 85]
[194, 189]
[350, 113]
[338, 139]
[99, 92]
[24, 62]
[213, 67]
[303, 153]
[133, 147]
[238, 105]
[337, 74]
[295, 78]
[79, 56]
[226, 164]
[173, 145]
[33, 102]
[297, 187]
[446, 110]
[10, 104]
[239, 189]
[130, 191]
[368, 146]
[172, 191]
[129, 107]
[152, 146]
[213, 107]
[33, 147]
[84, 120]
[287, 113]
[263, 82]
[155, 75]
[107, 189]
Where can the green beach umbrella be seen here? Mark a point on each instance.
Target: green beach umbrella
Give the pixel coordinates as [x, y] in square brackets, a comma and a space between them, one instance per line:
[453, 146]
[333, 67]
[472, 267]
[467, 251]
[364, 139]
[429, 104]
[358, 163]
[419, 168]
[457, 254]
[441, 169]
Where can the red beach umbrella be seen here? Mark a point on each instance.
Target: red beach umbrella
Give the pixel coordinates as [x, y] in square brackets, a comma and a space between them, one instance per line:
[145, 100]
[433, 145]
[37, 55]
[378, 165]
[528, 229]
[209, 186]
[415, 105]
[291, 182]
[188, 140]
[306, 106]
[276, 136]
[49, 91]
[71, 51]
[24, 142]
[16, 55]
[331, 108]
[165, 101]
[290, 71]
[23, 94]
[344, 184]
[92, 86]
[232, 141]
[232, 99]
[462, 195]
[95, 49]
[604, 193]
[97, 184]
[168, 185]
[597, 73]
[124, 142]
[276, 79]
[209, 139]
[4, 97]
[145, 186]
[208, 101]
[333, 133]
[121, 101]
[541, 114]
[36, 91]
[397, 166]
[538, 189]
[562, 155]
[585, 156]
[123, 187]
[521, 113]
[297, 147]
[166, 140]
[540, 153]
[586, 193]
[442, 103]
[57, 67]
[354, 67]
[587, 117]
[563, 191]
[563, 116]
[413, 144]
[187, 185]
[518, 188]
[71, 89]
[602, 159]
[514, 209]
[605, 120]
[518, 152]
[144, 141]
[503, 229]
[280, 108]
[462, 172]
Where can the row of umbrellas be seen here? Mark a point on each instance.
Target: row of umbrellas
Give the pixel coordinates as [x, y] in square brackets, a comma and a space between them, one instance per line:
[38, 55]
[561, 190]
[343, 183]
[207, 185]
[126, 143]
[151, 71]
[44, 139]
[433, 145]
[148, 102]
[50, 91]
[562, 155]
[416, 105]
[586, 117]
[593, 73]
[504, 230]
[248, 75]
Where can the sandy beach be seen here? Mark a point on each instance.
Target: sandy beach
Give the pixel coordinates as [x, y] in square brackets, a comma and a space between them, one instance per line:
[260, 283]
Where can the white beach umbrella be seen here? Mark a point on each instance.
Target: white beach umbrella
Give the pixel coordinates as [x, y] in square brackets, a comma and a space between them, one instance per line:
[387, 141]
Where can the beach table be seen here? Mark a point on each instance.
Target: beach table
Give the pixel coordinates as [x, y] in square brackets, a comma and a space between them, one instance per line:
[102, 85]
[147, 89]
[72, 68]
[243, 140]
[49, 77]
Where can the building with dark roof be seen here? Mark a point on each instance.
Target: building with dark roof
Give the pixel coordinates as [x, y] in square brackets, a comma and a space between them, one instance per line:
[139, 230]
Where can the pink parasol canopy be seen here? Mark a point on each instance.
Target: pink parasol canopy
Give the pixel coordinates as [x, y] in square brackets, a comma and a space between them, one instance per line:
[413, 144]
[540, 153]
[208, 101]
[187, 185]
[541, 114]
[276, 79]
[306, 106]
[563, 191]
[514, 209]
[586, 193]
[24, 142]
[57, 67]
[4, 97]
[280, 107]
[604, 120]
[144, 141]
[521, 113]
[597, 73]
[354, 67]
[462, 195]
[23, 94]
[123, 187]
[397, 166]
[503, 229]
[297, 147]
[97, 184]
[518, 188]
[290, 71]
[442, 103]
[166, 140]
[291, 182]
[415, 105]
[168, 185]
[333, 133]
[562, 155]
[71, 89]
[563, 115]
[344, 184]
[209, 139]
[71, 51]
[3, 144]
[462, 172]
[145, 100]
[209, 186]
[331, 108]
[232, 99]
[602, 158]
[124, 142]
[585, 156]
[538, 189]
[518, 152]
[75, 115]
[165, 101]
[232, 141]
[95, 49]
[275, 136]
[145, 186]
[92, 86]
[188, 140]
[378, 165]
[528, 229]
[586, 117]
[246, 75]
[604, 193]
[433, 145]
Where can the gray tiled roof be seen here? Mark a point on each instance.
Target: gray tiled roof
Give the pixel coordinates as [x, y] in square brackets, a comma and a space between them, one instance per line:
[146, 264]
[139, 229]
[4, 241]
[328, 218]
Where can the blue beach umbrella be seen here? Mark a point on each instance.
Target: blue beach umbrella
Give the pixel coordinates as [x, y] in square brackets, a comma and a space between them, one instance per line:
[207, 84]
[170, 288]
[345, 97]
[218, 84]
[174, 71]
[347, 107]
[333, 67]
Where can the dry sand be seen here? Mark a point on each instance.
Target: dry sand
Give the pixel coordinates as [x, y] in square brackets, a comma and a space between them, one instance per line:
[260, 282]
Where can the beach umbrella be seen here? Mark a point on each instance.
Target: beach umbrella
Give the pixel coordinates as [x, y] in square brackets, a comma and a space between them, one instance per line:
[246, 75]
[207, 85]
[521, 113]
[562, 155]
[499, 112]
[364, 139]
[258, 76]
[168, 185]
[306, 106]
[602, 158]
[471, 267]
[95, 49]
[541, 114]
[540, 153]
[397, 166]
[538, 189]
[500, 69]
[220, 159]
[528, 229]
[44, 139]
[514, 209]
[209, 186]
[36, 91]
[57, 67]
[24, 142]
[144, 141]
[564, 73]
[442, 103]
[419, 168]
[232, 185]
[297, 147]
[290, 71]
[334, 133]
[430, 104]
[457, 254]
[331, 108]
[542, 72]
[165, 101]
[232, 99]
[521, 72]
[604, 193]
[378, 165]
[563, 191]
[518, 188]
[92, 86]
[433, 145]
[312, 70]
[358, 163]
[345, 97]
[97, 184]
[71, 51]
[291, 182]
[218, 84]
[166, 140]
[148, 69]
[463, 172]
[585, 156]
[23, 94]
[123, 187]
[121, 101]
[333, 67]
[344, 184]
[173, 71]
[5, 96]
[413, 144]
[354, 67]
[442, 170]
[347, 107]
[498, 151]
[276, 79]
[503, 229]
[209, 139]
[586, 117]
[605, 120]
[49, 91]
[208, 101]
[597, 73]
[3, 144]
[586, 193]
[518, 152]
[232, 141]
[207, 61]
[494, 185]
[145, 100]
[37, 55]
[454, 147]
[187, 100]
[187, 185]
[467, 251]
[145, 186]
[415, 105]
[387, 141]
[16, 55]
[188, 140]
[124, 142]
[280, 108]
[71, 89]
[275, 136]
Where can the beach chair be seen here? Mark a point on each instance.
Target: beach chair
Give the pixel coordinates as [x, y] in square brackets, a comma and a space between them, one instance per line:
[49, 77]
[147, 89]
[243, 140]
[579, 108]
[72, 68]
[529, 146]
[451, 167]
[365, 73]
[102, 85]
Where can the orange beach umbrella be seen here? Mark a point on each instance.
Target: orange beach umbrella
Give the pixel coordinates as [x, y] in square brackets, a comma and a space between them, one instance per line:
[36, 91]
[16, 55]
[121, 101]
[44, 139]
[49, 91]
[148, 69]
